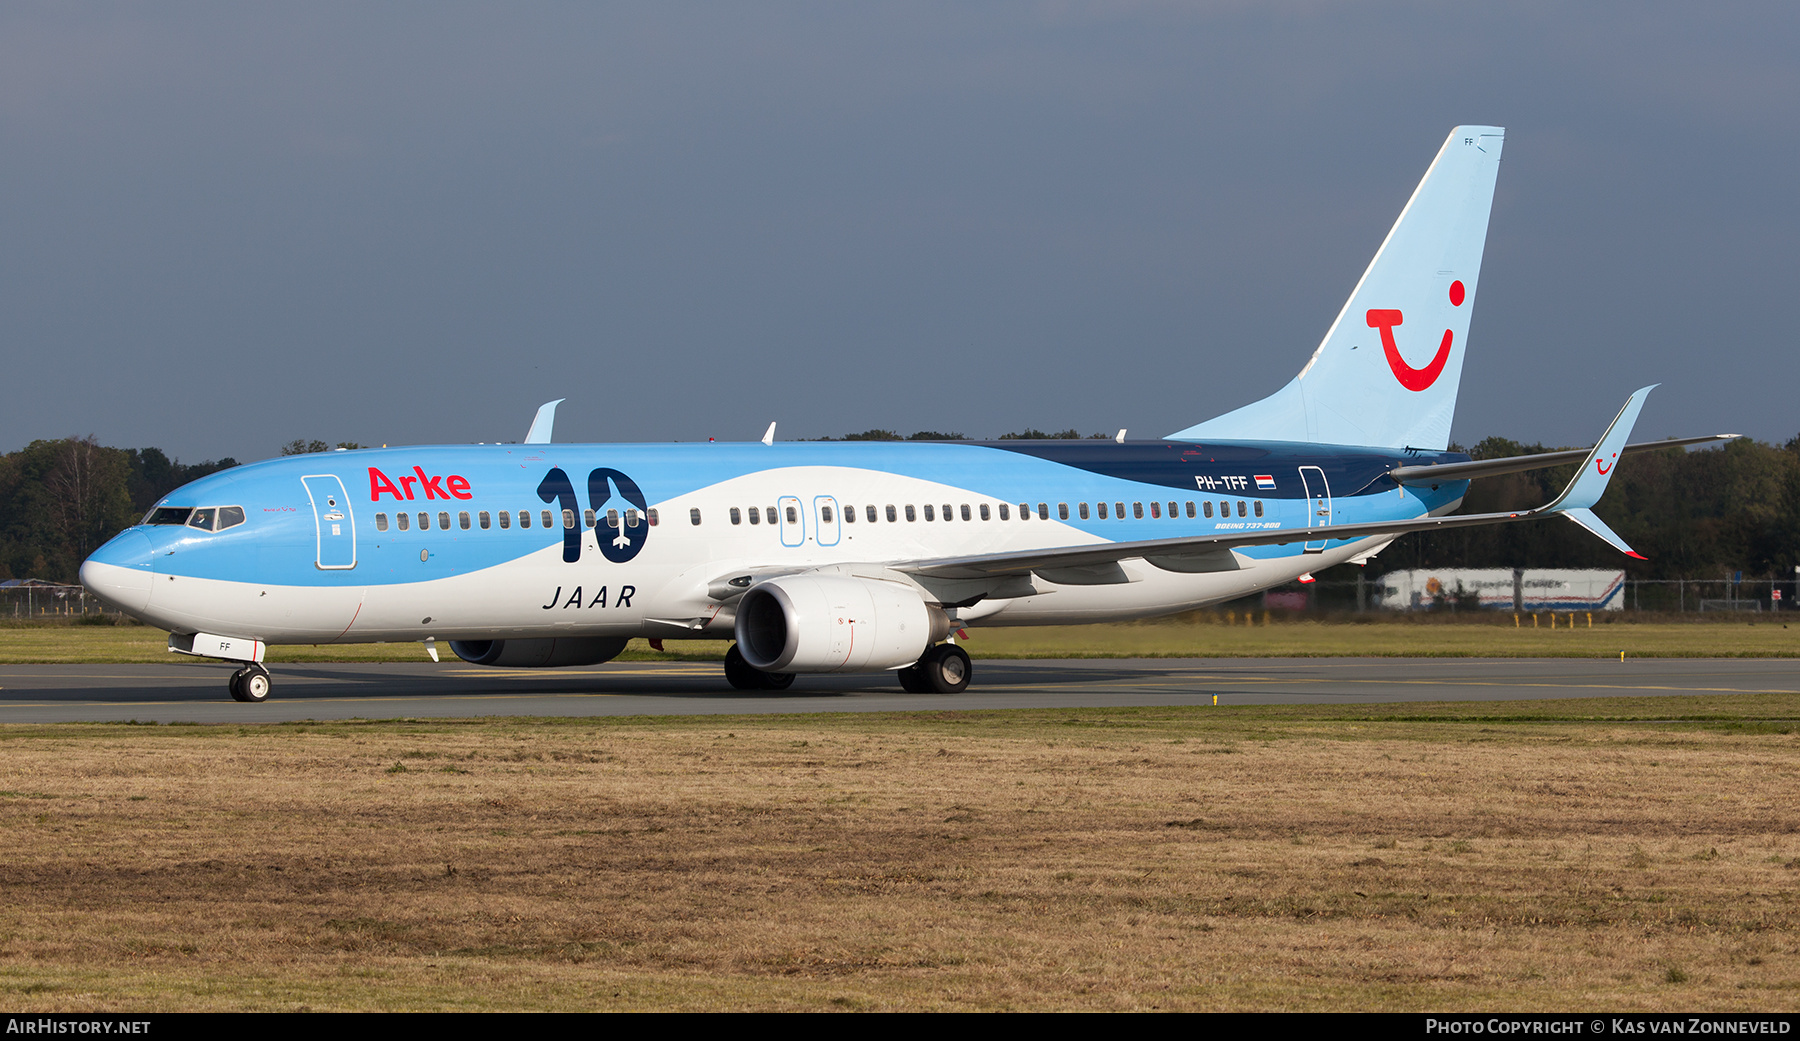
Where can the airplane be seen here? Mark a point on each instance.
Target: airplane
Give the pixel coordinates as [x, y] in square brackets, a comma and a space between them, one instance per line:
[848, 557]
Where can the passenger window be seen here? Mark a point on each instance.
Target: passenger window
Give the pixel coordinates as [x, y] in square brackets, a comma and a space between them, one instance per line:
[755, 515]
[1172, 513]
[444, 519]
[230, 517]
[929, 515]
[849, 514]
[524, 518]
[1190, 509]
[1100, 509]
[650, 515]
[890, 513]
[693, 516]
[587, 518]
[984, 512]
[1024, 511]
[544, 517]
[505, 519]
[1155, 511]
[1259, 507]
[737, 515]
[381, 522]
[632, 517]
[825, 514]
[1137, 510]
[1208, 507]
[486, 521]
[869, 513]
[769, 512]
[1241, 510]
[1224, 508]
[612, 518]
[1043, 511]
[910, 516]
[1119, 510]
[403, 519]
[1082, 510]
[462, 519]
[793, 515]
[424, 522]
[568, 519]
[965, 511]
[1005, 512]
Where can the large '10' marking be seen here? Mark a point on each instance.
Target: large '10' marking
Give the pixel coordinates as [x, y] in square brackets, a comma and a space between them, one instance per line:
[618, 541]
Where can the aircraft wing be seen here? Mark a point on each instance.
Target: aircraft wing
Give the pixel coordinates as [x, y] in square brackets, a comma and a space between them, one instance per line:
[1477, 468]
[1211, 552]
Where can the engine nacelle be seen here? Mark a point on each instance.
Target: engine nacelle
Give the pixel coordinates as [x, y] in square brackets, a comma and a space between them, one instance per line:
[833, 623]
[540, 654]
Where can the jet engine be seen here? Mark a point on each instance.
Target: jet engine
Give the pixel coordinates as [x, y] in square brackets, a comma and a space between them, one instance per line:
[540, 654]
[834, 623]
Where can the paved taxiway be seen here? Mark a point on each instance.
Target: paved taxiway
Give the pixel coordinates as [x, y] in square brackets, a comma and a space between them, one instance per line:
[195, 692]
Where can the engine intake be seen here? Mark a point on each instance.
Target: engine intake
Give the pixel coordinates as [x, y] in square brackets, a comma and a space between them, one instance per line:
[832, 623]
[540, 654]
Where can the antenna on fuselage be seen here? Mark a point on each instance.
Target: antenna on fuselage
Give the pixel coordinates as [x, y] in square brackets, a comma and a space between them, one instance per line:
[768, 437]
[539, 434]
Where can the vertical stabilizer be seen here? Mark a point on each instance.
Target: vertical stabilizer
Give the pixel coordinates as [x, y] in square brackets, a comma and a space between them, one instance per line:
[1387, 371]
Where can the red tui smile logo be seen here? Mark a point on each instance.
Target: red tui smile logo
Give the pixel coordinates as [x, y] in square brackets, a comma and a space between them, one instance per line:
[1409, 377]
[1605, 467]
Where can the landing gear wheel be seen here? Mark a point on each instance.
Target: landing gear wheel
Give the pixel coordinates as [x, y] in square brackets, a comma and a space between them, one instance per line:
[250, 683]
[744, 676]
[738, 672]
[946, 669]
[913, 681]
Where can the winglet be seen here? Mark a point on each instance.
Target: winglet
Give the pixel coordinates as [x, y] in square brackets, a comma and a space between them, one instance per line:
[539, 434]
[1585, 517]
[1597, 469]
[768, 437]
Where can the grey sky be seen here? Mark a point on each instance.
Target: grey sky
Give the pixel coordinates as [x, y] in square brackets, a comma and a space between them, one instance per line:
[227, 226]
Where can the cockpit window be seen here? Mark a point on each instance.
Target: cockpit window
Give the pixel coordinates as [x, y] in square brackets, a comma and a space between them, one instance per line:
[206, 518]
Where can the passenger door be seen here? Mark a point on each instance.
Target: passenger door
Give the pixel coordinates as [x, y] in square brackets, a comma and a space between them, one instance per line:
[334, 522]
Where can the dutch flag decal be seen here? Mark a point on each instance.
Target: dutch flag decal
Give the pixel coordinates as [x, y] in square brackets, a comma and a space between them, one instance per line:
[1265, 483]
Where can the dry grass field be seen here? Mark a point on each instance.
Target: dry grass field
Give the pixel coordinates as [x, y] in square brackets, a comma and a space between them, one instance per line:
[1201, 634]
[1568, 855]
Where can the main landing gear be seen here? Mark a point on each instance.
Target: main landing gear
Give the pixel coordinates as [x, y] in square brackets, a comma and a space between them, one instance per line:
[744, 676]
[250, 683]
[944, 669]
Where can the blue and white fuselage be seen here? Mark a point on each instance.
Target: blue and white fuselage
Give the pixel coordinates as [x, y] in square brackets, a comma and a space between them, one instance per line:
[320, 555]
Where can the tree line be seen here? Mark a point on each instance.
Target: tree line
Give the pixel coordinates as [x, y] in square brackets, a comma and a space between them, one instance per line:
[1695, 515]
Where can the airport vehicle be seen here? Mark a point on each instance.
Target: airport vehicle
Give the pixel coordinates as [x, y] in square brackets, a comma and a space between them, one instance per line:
[856, 556]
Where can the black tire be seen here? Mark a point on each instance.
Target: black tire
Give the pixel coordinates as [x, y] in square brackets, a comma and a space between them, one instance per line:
[913, 681]
[738, 672]
[946, 669]
[236, 685]
[775, 680]
[255, 685]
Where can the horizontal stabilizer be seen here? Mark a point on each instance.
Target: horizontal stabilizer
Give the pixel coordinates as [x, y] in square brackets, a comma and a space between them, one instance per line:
[1585, 517]
[1475, 469]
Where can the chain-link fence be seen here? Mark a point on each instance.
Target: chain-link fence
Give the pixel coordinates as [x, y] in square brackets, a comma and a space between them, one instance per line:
[43, 601]
[1674, 595]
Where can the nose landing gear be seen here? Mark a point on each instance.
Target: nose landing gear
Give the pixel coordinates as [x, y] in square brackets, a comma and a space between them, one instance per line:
[250, 683]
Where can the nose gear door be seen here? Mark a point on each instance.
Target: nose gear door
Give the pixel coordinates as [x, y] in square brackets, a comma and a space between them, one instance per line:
[336, 526]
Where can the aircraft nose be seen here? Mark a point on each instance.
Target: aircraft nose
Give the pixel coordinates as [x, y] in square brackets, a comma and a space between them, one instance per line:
[120, 572]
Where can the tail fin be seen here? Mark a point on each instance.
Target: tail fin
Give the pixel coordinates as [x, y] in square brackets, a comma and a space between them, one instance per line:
[1387, 371]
